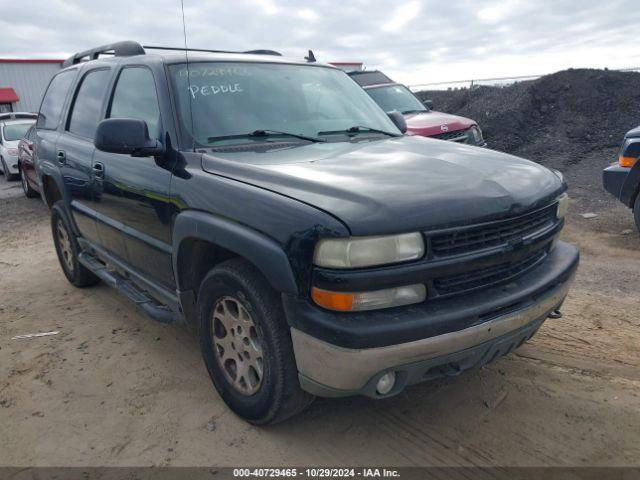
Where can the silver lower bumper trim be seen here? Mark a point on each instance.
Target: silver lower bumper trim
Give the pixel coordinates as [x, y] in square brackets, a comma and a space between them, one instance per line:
[339, 368]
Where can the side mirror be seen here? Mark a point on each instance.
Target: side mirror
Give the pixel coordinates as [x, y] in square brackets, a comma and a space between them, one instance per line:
[428, 104]
[128, 136]
[398, 119]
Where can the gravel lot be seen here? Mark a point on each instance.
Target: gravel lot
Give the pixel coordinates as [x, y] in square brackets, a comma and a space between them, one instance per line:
[116, 388]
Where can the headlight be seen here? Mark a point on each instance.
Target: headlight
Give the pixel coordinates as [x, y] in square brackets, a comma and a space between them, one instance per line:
[563, 206]
[358, 252]
[475, 135]
[12, 151]
[373, 300]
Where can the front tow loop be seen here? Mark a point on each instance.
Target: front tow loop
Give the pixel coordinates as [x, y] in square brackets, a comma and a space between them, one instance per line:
[556, 314]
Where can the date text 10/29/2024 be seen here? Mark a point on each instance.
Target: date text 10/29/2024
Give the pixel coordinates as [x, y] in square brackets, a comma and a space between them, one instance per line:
[315, 473]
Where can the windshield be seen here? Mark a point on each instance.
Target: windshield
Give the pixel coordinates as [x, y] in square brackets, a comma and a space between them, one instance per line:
[15, 131]
[396, 97]
[236, 99]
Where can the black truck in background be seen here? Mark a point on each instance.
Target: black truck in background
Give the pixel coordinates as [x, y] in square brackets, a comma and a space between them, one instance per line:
[276, 210]
[622, 179]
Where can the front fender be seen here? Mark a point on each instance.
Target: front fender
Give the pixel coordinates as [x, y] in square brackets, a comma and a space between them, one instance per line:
[257, 248]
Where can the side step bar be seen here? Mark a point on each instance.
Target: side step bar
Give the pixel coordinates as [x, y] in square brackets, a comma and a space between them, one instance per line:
[144, 302]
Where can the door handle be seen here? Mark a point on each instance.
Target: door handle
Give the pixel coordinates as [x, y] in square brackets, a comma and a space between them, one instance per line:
[98, 169]
[61, 156]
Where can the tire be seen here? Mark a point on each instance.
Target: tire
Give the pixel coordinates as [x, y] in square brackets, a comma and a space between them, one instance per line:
[68, 249]
[636, 211]
[26, 188]
[270, 392]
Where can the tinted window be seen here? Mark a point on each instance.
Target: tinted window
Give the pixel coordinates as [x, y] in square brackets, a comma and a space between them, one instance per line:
[85, 113]
[370, 78]
[135, 97]
[53, 101]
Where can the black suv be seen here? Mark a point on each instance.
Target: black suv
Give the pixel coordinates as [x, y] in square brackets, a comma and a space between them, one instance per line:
[273, 207]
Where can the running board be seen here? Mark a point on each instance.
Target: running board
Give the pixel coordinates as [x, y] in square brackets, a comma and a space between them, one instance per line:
[143, 301]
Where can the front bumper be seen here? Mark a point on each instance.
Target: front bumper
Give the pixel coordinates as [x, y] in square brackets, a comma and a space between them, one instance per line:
[613, 179]
[12, 164]
[326, 369]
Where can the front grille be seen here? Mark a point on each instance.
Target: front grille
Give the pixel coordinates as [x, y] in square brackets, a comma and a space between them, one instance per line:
[456, 136]
[486, 277]
[479, 237]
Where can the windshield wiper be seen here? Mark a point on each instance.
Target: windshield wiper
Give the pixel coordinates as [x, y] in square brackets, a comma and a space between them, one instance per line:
[264, 134]
[406, 112]
[360, 129]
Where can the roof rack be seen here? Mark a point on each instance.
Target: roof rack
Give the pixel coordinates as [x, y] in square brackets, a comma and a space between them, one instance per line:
[17, 115]
[127, 48]
[182, 49]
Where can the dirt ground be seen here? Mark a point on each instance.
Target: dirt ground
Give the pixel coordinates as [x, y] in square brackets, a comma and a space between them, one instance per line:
[116, 388]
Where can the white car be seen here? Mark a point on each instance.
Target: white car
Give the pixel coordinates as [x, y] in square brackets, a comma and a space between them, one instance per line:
[13, 127]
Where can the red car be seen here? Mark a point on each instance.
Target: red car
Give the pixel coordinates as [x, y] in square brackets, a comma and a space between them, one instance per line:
[421, 120]
[25, 164]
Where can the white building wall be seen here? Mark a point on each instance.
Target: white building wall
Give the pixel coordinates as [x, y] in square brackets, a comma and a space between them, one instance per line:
[29, 80]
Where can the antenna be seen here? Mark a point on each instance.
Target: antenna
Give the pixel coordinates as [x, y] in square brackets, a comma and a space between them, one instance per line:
[310, 58]
[186, 56]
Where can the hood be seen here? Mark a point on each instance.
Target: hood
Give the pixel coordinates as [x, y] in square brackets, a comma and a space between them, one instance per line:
[429, 123]
[634, 133]
[396, 185]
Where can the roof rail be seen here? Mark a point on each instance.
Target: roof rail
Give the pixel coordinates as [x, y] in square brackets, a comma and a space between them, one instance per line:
[127, 48]
[17, 115]
[182, 49]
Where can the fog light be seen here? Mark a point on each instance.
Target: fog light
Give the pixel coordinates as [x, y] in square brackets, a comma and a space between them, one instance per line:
[386, 382]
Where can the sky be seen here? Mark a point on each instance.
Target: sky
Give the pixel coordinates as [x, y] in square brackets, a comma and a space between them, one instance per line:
[413, 41]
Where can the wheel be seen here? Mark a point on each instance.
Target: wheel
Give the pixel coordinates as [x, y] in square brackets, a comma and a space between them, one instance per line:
[246, 345]
[67, 249]
[636, 211]
[26, 188]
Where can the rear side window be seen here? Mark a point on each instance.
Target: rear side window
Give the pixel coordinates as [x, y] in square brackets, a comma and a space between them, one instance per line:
[85, 112]
[51, 108]
[135, 97]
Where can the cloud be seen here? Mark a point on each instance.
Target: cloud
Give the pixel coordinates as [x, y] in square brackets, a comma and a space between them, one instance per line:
[413, 41]
[401, 16]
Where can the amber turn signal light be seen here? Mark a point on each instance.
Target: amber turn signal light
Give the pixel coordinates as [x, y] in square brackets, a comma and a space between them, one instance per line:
[627, 161]
[342, 302]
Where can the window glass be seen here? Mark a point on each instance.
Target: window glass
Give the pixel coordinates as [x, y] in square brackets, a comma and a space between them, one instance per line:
[31, 134]
[222, 99]
[135, 97]
[396, 97]
[15, 131]
[85, 113]
[53, 101]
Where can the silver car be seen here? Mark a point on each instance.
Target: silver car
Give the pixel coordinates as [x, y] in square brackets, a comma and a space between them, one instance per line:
[13, 127]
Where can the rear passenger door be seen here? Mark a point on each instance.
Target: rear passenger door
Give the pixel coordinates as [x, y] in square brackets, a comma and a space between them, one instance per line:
[49, 117]
[135, 207]
[74, 148]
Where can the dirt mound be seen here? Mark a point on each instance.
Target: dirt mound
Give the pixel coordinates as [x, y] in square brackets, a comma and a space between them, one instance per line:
[569, 113]
[572, 120]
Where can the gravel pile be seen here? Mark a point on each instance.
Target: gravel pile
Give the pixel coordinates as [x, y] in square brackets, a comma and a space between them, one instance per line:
[572, 120]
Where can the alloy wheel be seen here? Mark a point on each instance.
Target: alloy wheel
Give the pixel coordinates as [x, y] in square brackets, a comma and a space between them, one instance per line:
[237, 347]
[64, 242]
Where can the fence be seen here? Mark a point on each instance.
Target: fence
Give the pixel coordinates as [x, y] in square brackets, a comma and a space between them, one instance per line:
[495, 82]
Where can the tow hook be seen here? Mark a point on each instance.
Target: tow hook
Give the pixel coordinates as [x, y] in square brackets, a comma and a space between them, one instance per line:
[556, 314]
